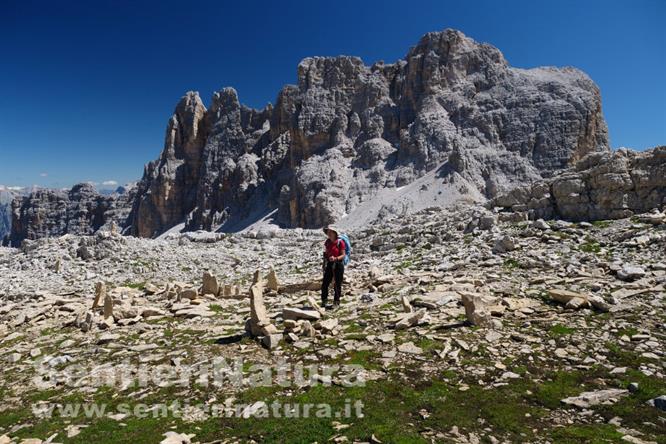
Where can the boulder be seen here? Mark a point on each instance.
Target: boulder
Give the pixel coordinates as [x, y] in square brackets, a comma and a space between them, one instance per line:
[308, 330]
[108, 307]
[656, 217]
[660, 402]
[150, 289]
[210, 284]
[315, 305]
[259, 323]
[630, 272]
[100, 294]
[410, 319]
[487, 222]
[272, 280]
[107, 338]
[271, 341]
[328, 325]
[177, 438]
[504, 244]
[188, 293]
[406, 305]
[256, 278]
[540, 224]
[87, 322]
[478, 308]
[410, 348]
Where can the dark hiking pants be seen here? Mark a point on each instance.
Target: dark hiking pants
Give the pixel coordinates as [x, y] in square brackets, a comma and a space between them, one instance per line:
[337, 270]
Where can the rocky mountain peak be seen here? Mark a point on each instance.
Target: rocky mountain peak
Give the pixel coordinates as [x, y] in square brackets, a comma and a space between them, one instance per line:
[185, 135]
[444, 59]
[347, 131]
[351, 142]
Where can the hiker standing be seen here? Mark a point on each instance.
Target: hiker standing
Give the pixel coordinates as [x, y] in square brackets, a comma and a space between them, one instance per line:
[334, 265]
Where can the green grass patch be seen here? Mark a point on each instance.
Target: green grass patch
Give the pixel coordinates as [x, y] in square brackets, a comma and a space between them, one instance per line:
[355, 336]
[558, 330]
[590, 246]
[353, 328]
[623, 358]
[587, 433]
[428, 345]
[404, 264]
[365, 358]
[558, 386]
[602, 223]
[629, 331]
[136, 285]
[633, 410]
[511, 263]
[216, 308]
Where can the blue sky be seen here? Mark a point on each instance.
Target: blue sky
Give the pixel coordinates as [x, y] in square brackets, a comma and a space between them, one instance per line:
[87, 87]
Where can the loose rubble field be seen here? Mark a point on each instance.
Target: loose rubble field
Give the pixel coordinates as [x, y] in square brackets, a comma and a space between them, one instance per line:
[465, 328]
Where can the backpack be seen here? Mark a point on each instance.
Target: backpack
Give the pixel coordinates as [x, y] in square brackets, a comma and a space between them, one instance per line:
[348, 248]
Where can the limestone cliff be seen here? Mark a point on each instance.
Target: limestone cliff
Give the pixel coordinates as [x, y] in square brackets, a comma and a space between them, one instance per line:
[5, 213]
[347, 130]
[601, 186]
[81, 210]
[450, 121]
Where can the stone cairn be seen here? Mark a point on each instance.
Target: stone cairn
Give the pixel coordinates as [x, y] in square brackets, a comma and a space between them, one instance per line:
[259, 325]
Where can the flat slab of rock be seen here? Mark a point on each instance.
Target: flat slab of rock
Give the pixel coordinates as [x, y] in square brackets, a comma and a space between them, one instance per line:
[328, 325]
[630, 273]
[410, 348]
[589, 399]
[298, 313]
[195, 311]
[575, 300]
[410, 319]
[176, 438]
[107, 338]
[386, 337]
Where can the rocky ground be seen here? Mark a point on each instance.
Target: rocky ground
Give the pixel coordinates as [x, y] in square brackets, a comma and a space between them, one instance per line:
[457, 327]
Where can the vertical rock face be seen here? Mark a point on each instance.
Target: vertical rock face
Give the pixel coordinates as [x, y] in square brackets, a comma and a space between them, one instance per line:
[81, 210]
[347, 130]
[5, 213]
[601, 186]
[168, 189]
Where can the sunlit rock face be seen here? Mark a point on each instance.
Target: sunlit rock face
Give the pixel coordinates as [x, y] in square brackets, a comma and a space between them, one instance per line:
[347, 130]
[452, 114]
[80, 210]
[601, 186]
